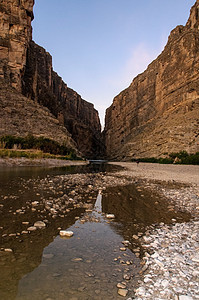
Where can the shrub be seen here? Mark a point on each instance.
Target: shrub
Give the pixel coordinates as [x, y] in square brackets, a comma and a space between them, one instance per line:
[44, 144]
[183, 158]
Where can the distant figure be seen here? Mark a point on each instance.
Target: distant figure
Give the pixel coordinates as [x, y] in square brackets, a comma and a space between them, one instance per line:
[137, 161]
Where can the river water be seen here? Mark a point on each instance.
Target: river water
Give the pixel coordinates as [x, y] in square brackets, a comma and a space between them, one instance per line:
[40, 264]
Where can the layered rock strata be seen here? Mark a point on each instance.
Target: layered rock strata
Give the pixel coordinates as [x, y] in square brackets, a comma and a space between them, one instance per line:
[27, 67]
[16, 33]
[159, 112]
[44, 86]
[20, 116]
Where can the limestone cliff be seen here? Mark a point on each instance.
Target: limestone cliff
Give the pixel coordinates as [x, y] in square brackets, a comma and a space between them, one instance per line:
[27, 67]
[20, 116]
[44, 86]
[15, 35]
[159, 112]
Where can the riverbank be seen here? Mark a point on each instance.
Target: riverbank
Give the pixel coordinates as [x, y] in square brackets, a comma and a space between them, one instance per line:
[42, 162]
[188, 174]
[171, 257]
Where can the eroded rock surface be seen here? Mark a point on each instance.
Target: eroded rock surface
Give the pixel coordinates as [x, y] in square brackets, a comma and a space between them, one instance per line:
[20, 116]
[16, 33]
[46, 87]
[27, 67]
[159, 112]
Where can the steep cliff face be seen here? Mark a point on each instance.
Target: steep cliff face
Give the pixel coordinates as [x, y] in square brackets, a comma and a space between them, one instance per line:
[28, 68]
[44, 86]
[20, 116]
[16, 33]
[159, 112]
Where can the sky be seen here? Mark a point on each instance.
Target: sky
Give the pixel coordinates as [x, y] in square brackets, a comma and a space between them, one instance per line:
[99, 46]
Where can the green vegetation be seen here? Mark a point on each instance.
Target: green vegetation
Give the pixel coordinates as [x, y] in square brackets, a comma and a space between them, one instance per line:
[181, 157]
[12, 146]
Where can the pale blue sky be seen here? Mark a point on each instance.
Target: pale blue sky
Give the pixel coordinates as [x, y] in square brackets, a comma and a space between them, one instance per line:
[99, 46]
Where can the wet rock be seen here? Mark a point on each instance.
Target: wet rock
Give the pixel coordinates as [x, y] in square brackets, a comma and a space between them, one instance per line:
[35, 203]
[77, 259]
[110, 216]
[39, 224]
[126, 243]
[127, 276]
[121, 286]
[32, 228]
[123, 249]
[65, 233]
[123, 292]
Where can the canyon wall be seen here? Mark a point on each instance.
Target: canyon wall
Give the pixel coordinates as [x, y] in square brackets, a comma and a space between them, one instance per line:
[41, 84]
[15, 35]
[27, 68]
[159, 112]
[20, 116]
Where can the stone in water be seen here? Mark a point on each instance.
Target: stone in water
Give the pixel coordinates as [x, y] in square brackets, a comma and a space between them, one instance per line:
[122, 292]
[39, 224]
[65, 233]
[110, 216]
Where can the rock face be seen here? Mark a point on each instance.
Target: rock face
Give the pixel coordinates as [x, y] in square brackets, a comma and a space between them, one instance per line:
[27, 67]
[16, 33]
[20, 116]
[44, 86]
[159, 112]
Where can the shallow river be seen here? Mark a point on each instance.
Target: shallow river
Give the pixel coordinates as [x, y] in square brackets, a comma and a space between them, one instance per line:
[40, 265]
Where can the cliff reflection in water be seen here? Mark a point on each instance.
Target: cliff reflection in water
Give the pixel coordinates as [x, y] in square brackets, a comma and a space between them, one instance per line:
[136, 208]
[97, 241]
[27, 252]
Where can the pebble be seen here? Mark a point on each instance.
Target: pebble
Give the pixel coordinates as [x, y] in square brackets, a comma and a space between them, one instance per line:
[65, 233]
[127, 276]
[32, 228]
[123, 292]
[77, 259]
[35, 203]
[39, 224]
[110, 216]
[126, 243]
[123, 249]
[121, 286]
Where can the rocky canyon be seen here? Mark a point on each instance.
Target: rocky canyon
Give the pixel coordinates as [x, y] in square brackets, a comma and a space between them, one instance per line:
[156, 115]
[34, 99]
[159, 112]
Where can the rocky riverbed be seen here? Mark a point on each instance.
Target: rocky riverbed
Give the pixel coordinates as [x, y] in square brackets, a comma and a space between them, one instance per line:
[171, 258]
[171, 269]
[168, 247]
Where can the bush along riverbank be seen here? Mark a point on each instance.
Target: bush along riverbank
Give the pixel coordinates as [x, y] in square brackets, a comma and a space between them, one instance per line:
[181, 157]
[32, 148]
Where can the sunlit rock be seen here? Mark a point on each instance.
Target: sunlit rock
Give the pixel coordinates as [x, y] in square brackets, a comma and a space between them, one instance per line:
[65, 233]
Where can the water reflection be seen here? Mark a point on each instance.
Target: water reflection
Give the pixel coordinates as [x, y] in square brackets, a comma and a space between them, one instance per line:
[87, 266]
[137, 208]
